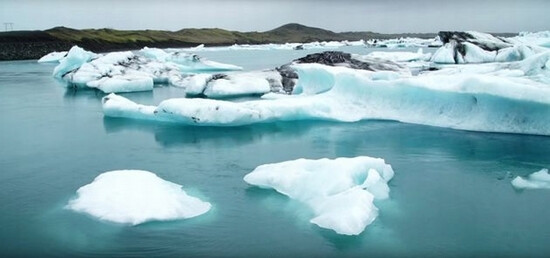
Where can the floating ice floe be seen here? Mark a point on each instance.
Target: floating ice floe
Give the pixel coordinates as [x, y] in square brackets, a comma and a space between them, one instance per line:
[341, 192]
[500, 97]
[537, 180]
[273, 46]
[53, 57]
[541, 38]
[116, 72]
[188, 62]
[281, 79]
[232, 84]
[401, 56]
[134, 197]
[404, 43]
[477, 47]
[129, 72]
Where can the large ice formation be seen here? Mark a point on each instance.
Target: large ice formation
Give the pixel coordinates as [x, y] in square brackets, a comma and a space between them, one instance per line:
[188, 62]
[341, 192]
[128, 72]
[537, 180]
[500, 97]
[233, 84]
[134, 197]
[404, 42]
[272, 46]
[478, 47]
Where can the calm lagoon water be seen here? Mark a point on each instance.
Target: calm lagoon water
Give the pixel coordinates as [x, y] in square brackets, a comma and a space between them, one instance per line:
[451, 195]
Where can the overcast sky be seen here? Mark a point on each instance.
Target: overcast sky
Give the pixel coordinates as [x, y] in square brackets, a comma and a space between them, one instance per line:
[259, 15]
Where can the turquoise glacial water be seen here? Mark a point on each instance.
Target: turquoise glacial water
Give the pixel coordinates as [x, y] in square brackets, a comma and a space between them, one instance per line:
[451, 194]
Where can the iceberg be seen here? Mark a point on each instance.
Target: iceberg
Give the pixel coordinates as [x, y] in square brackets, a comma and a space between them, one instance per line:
[273, 46]
[401, 56]
[281, 79]
[134, 197]
[53, 57]
[341, 192]
[120, 72]
[541, 38]
[406, 42]
[129, 72]
[537, 180]
[506, 98]
[187, 62]
[233, 84]
[477, 47]
[75, 58]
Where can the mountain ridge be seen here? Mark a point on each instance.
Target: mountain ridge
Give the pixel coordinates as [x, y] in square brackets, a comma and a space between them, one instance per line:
[19, 45]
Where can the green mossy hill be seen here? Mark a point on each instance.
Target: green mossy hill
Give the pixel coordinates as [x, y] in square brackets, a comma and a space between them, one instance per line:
[34, 44]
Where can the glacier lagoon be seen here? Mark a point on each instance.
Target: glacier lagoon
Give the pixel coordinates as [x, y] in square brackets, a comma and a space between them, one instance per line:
[451, 193]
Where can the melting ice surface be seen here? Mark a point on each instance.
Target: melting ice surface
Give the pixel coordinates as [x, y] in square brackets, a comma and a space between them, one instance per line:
[340, 192]
[510, 98]
[127, 71]
[537, 180]
[135, 197]
[53, 57]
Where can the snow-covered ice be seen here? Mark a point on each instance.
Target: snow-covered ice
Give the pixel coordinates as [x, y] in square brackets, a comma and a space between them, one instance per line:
[188, 62]
[75, 58]
[232, 84]
[128, 72]
[406, 42]
[541, 38]
[53, 57]
[537, 180]
[508, 98]
[477, 47]
[273, 46]
[401, 56]
[134, 197]
[341, 192]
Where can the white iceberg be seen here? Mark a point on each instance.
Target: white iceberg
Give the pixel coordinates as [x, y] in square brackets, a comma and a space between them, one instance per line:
[341, 192]
[232, 84]
[507, 98]
[401, 56]
[128, 72]
[541, 38]
[537, 180]
[477, 47]
[406, 42]
[273, 46]
[134, 197]
[53, 57]
[187, 62]
[75, 58]
[119, 72]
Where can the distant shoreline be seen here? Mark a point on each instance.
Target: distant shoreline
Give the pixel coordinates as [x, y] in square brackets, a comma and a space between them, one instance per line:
[24, 45]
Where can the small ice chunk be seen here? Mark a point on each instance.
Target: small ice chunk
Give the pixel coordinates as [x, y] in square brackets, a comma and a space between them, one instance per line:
[537, 180]
[53, 57]
[135, 197]
[340, 191]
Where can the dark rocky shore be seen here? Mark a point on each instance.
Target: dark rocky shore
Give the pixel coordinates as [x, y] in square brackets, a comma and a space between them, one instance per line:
[20, 45]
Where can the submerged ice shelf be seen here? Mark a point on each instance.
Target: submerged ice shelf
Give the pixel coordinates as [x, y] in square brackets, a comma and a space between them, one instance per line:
[341, 192]
[134, 197]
